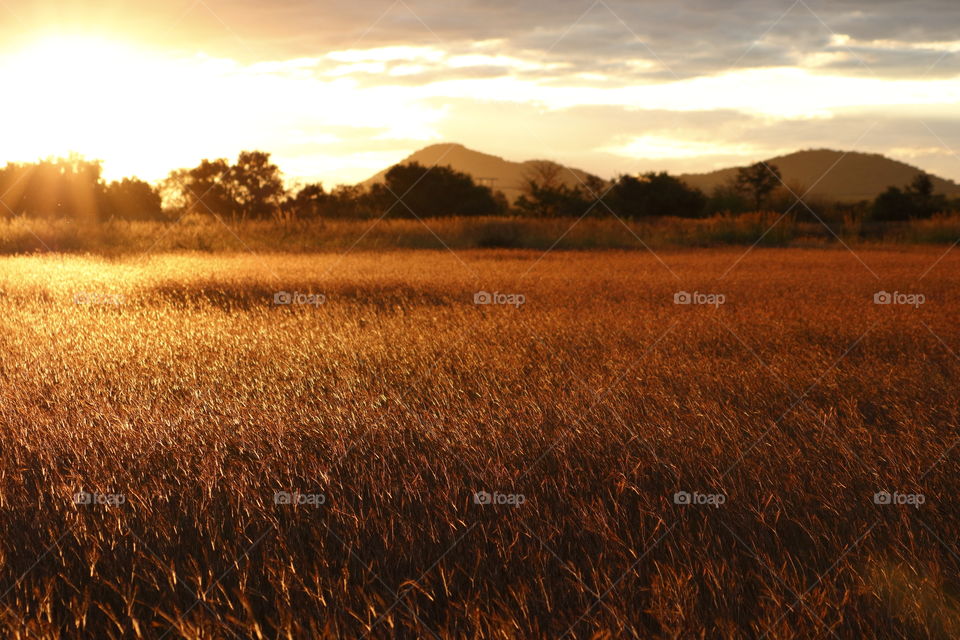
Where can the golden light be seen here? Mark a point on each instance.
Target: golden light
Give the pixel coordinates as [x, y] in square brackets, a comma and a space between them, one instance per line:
[78, 93]
[145, 113]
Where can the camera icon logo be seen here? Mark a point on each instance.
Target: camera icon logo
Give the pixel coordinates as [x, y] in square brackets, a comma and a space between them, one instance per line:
[482, 297]
[482, 497]
[106, 499]
[283, 297]
[681, 497]
[882, 297]
[682, 297]
[882, 497]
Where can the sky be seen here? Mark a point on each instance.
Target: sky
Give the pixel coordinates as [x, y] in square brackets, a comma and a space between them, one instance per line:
[337, 90]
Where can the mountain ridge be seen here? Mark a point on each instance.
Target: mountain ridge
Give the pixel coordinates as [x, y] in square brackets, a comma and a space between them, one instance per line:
[496, 172]
[839, 175]
[828, 173]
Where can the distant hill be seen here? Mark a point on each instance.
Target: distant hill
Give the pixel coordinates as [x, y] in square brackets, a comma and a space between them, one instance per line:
[856, 176]
[494, 171]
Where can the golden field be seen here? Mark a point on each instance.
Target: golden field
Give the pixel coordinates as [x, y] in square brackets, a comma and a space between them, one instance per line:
[188, 407]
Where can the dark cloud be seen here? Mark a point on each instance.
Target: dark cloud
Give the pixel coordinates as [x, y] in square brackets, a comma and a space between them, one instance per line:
[683, 37]
[916, 63]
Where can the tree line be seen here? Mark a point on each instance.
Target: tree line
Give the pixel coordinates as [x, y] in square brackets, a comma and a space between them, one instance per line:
[253, 188]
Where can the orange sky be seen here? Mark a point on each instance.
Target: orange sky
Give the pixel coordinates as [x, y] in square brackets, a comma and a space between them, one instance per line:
[338, 90]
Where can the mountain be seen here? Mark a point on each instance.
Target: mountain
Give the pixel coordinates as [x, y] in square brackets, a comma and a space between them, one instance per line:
[853, 176]
[493, 171]
[837, 175]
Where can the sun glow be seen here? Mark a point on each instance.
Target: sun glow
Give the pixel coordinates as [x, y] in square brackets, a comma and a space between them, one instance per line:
[85, 94]
[144, 113]
[67, 90]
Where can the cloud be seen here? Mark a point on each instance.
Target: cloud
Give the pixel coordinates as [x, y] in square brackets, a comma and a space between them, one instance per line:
[673, 148]
[685, 37]
[611, 86]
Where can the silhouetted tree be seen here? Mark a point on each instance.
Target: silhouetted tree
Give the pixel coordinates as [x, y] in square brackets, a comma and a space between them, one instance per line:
[351, 201]
[251, 188]
[56, 187]
[893, 204]
[544, 174]
[562, 201]
[256, 185]
[758, 181]
[655, 194]
[926, 202]
[922, 185]
[916, 200]
[430, 192]
[204, 189]
[131, 199]
[727, 198]
[311, 201]
[544, 193]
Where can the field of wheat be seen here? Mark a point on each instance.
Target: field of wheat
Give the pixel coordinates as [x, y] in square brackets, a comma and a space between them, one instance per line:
[481, 445]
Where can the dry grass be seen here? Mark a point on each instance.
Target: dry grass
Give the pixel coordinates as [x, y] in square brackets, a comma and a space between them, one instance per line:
[204, 234]
[198, 399]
